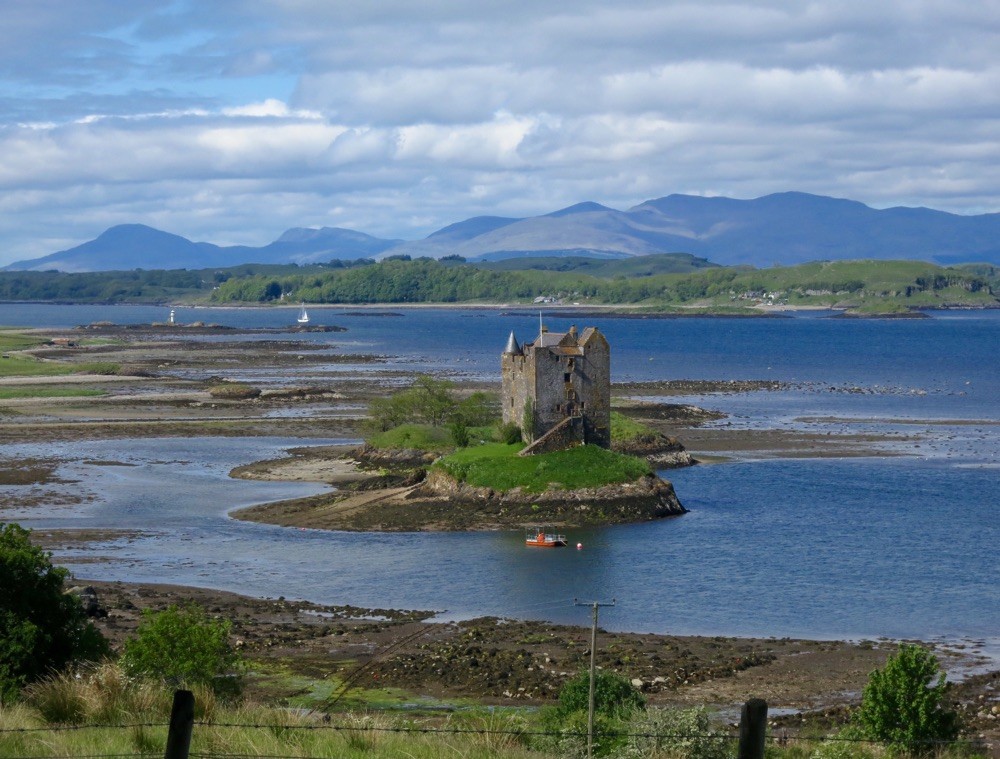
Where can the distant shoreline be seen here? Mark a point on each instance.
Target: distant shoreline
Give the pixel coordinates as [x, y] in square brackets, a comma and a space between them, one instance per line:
[607, 310]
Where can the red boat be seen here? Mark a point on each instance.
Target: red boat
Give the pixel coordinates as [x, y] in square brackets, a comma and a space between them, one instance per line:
[543, 539]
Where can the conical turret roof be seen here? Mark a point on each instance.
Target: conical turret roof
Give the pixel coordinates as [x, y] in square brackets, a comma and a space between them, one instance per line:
[512, 347]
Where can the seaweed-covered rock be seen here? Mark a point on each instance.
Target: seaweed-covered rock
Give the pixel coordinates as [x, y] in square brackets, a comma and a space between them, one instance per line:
[377, 458]
[661, 451]
[646, 498]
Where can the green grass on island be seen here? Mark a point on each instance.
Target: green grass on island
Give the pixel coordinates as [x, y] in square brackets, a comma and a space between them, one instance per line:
[25, 366]
[426, 437]
[625, 429]
[11, 340]
[46, 391]
[497, 466]
[488, 463]
[13, 364]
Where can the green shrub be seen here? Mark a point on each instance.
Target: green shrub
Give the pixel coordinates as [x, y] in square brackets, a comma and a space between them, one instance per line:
[459, 433]
[422, 437]
[680, 733]
[613, 695]
[478, 410]
[429, 400]
[183, 646]
[569, 734]
[615, 702]
[903, 704]
[42, 629]
[509, 434]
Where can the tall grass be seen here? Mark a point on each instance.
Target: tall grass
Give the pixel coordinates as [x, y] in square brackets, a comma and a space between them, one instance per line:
[103, 694]
[102, 712]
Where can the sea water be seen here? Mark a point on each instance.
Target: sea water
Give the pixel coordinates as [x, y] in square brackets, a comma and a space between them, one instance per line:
[898, 546]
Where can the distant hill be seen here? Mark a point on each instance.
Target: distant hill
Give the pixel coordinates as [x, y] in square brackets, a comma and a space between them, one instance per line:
[793, 227]
[782, 229]
[136, 246]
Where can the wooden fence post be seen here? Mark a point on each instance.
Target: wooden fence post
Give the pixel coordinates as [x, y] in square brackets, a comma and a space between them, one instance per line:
[753, 726]
[181, 724]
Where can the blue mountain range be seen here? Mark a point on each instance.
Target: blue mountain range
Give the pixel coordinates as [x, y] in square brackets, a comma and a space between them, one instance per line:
[781, 229]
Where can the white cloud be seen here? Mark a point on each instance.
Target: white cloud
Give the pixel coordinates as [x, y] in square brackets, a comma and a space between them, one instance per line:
[233, 120]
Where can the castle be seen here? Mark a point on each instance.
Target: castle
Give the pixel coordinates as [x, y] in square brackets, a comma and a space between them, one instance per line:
[557, 389]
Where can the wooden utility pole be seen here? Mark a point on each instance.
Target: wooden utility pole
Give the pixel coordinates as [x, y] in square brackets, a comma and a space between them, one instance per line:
[593, 651]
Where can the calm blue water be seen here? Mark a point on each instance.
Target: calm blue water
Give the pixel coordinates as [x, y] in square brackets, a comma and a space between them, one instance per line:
[901, 547]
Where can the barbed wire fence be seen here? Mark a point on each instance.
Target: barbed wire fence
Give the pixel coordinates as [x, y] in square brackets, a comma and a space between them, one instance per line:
[748, 742]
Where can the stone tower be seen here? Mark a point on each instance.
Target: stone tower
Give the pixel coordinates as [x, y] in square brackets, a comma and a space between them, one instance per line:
[557, 389]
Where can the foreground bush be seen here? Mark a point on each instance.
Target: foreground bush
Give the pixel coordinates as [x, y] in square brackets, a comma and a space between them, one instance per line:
[42, 629]
[184, 647]
[678, 733]
[615, 704]
[903, 704]
[613, 695]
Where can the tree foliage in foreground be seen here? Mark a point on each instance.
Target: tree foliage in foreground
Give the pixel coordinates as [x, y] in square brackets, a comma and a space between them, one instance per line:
[184, 646]
[903, 704]
[42, 629]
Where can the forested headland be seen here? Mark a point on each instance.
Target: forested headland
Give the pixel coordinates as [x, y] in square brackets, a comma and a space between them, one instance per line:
[659, 282]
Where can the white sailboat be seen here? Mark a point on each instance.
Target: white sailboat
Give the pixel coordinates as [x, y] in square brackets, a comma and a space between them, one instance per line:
[303, 315]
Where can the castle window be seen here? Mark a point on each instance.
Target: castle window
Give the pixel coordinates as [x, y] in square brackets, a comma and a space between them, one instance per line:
[566, 377]
[583, 404]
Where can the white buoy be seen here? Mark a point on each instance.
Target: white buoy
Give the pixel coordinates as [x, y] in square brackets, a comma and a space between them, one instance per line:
[579, 546]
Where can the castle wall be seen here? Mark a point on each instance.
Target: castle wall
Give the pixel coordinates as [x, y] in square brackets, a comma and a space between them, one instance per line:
[517, 387]
[550, 390]
[568, 379]
[596, 390]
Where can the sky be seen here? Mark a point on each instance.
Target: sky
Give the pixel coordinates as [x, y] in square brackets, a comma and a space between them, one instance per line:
[231, 121]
